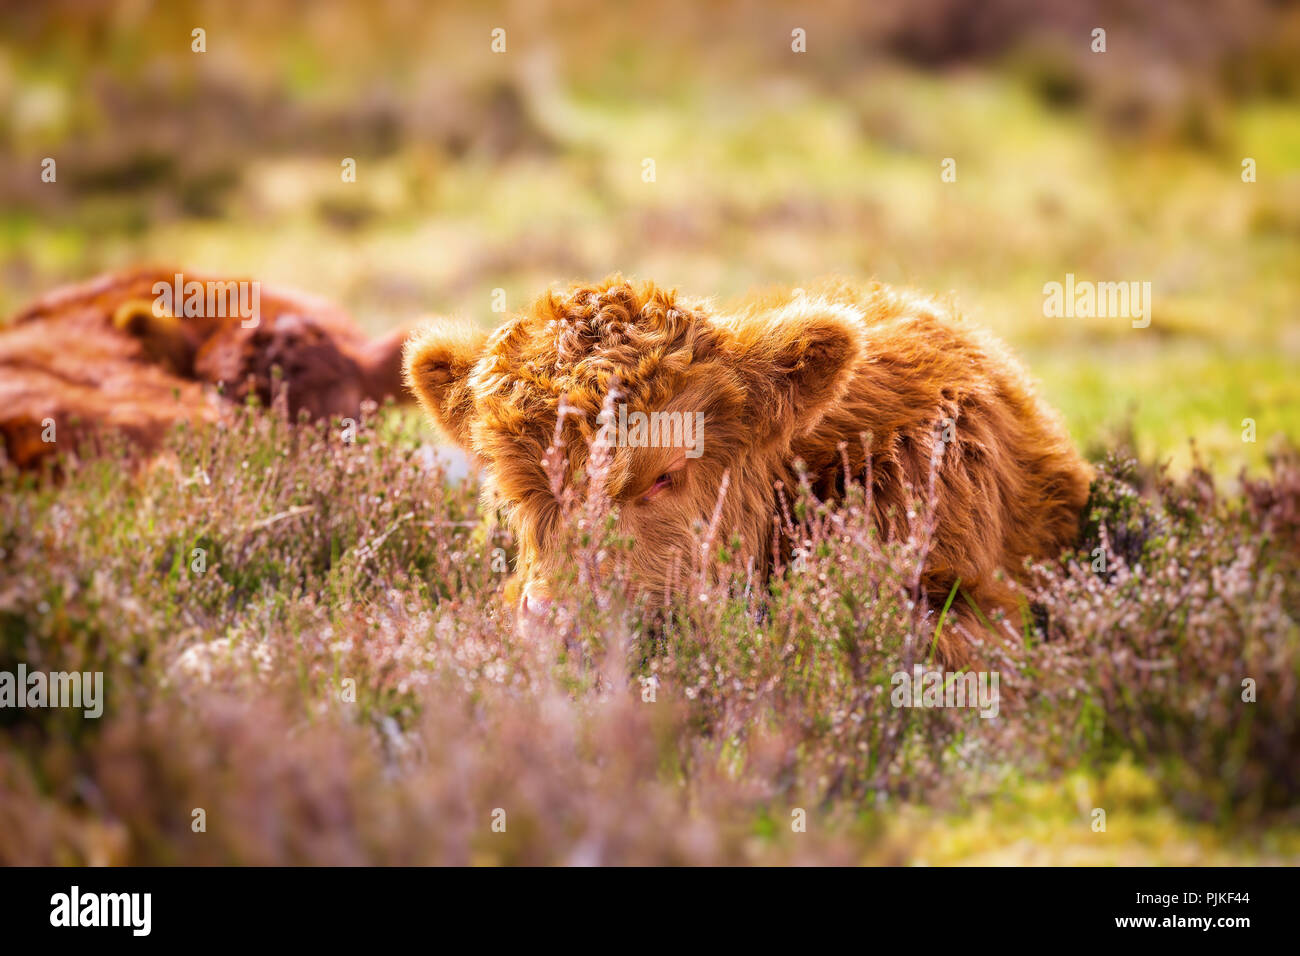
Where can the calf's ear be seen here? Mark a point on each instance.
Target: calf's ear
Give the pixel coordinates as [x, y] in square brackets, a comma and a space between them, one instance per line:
[437, 360]
[796, 362]
[161, 335]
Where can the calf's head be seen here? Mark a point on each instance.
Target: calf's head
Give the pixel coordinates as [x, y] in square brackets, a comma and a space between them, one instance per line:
[655, 397]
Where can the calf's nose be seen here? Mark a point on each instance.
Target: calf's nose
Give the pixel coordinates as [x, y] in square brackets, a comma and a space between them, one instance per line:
[536, 604]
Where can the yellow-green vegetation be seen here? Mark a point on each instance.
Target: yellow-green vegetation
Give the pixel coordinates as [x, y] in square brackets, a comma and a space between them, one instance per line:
[1055, 824]
[520, 170]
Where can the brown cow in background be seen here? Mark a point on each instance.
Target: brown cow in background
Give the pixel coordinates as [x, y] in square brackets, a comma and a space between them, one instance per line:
[105, 355]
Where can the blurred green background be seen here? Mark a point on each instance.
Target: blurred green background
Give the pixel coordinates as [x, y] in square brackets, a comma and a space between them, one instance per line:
[478, 170]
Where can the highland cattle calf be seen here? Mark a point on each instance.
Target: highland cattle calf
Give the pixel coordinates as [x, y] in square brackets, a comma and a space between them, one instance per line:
[745, 392]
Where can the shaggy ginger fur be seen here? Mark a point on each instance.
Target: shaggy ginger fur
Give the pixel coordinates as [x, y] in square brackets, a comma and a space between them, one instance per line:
[782, 376]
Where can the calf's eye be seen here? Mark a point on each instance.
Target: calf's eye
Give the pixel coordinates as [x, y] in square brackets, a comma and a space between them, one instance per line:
[667, 478]
[663, 481]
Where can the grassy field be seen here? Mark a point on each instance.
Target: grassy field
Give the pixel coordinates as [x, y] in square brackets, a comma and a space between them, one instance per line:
[778, 181]
[308, 642]
[340, 681]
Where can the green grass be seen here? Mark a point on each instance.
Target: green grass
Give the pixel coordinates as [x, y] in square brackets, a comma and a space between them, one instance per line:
[788, 185]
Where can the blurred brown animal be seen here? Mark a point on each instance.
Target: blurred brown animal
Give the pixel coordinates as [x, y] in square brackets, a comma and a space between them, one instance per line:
[105, 356]
[781, 376]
